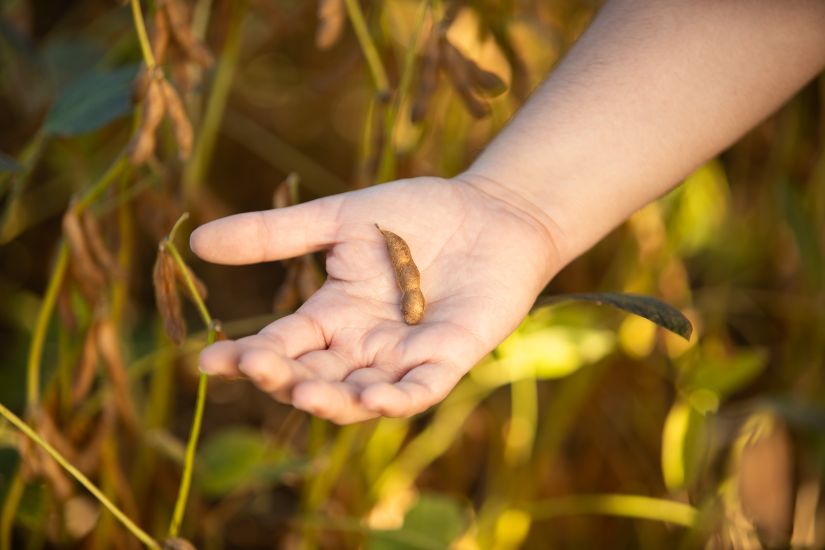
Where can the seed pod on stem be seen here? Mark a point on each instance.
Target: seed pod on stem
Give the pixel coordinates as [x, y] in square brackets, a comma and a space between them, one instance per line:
[180, 120]
[143, 143]
[88, 274]
[160, 36]
[459, 70]
[84, 374]
[109, 347]
[97, 246]
[178, 24]
[166, 296]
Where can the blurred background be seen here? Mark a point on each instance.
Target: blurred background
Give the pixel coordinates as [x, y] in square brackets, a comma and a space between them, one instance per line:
[588, 428]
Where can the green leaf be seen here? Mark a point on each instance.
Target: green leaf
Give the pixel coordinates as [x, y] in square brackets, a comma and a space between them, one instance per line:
[653, 309]
[240, 456]
[91, 102]
[726, 375]
[8, 164]
[229, 459]
[434, 521]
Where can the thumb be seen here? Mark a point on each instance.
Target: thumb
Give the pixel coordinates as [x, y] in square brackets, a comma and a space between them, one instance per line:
[268, 235]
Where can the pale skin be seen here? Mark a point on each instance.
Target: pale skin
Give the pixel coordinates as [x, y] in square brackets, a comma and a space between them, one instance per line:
[650, 91]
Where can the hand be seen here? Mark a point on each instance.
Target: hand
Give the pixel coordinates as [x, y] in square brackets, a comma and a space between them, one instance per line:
[346, 354]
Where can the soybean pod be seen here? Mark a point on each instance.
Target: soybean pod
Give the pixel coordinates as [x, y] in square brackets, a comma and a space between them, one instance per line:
[407, 277]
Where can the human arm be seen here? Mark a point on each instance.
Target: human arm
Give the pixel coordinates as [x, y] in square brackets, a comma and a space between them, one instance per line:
[650, 91]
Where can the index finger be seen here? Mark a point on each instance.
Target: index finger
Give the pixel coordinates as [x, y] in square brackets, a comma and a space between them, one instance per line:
[269, 235]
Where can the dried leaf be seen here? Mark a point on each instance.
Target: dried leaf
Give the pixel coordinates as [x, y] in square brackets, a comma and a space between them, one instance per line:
[180, 120]
[331, 16]
[144, 141]
[167, 298]
[178, 23]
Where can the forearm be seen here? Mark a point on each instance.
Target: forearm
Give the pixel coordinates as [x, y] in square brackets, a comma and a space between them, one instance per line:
[650, 91]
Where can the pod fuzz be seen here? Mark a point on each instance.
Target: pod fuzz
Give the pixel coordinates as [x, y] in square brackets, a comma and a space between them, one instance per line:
[407, 277]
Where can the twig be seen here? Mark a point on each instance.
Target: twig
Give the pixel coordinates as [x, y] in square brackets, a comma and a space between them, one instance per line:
[359, 25]
[140, 28]
[194, 432]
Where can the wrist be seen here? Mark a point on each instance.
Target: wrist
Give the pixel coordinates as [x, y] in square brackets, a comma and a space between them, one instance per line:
[520, 204]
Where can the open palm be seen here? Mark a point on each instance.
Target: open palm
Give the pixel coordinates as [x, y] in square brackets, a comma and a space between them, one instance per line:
[346, 353]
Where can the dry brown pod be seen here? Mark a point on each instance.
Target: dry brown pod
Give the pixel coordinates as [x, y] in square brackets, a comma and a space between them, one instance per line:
[182, 33]
[108, 345]
[166, 296]
[200, 286]
[97, 246]
[84, 373]
[407, 276]
[331, 17]
[160, 36]
[87, 273]
[460, 71]
[144, 141]
[180, 120]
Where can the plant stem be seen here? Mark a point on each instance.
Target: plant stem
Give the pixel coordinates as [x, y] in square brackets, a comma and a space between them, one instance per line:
[190, 284]
[140, 28]
[208, 132]
[631, 506]
[359, 25]
[189, 459]
[101, 185]
[386, 170]
[13, 496]
[104, 500]
[194, 432]
[41, 327]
